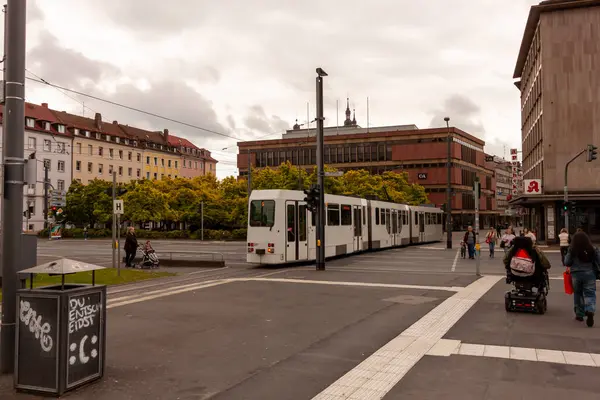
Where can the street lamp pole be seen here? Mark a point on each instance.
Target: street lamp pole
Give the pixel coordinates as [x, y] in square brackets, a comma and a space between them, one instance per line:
[320, 174]
[449, 187]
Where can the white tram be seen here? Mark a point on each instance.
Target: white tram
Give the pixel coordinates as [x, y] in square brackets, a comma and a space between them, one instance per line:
[282, 230]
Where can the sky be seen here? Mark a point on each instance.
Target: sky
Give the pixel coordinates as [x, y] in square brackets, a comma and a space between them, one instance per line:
[246, 69]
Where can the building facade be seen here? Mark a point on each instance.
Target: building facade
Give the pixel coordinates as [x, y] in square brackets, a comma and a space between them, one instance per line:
[421, 153]
[507, 215]
[49, 139]
[560, 115]
[194, 161]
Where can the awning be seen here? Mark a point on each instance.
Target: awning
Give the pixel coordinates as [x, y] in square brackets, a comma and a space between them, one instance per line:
[546, 198]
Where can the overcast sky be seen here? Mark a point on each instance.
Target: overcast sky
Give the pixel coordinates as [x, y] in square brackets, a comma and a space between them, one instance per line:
[246, 68]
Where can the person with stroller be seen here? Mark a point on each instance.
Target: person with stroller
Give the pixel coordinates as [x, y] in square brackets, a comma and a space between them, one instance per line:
[583, 261]
[149, 257]
[470, 240]
[130, 247]
[491, 238]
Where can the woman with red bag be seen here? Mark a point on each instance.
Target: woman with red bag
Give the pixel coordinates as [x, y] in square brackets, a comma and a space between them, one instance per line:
[583, 261]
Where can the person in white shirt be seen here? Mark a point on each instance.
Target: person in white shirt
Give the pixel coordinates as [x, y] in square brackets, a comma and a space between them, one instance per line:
[564, 238]
[506, 240]
[531, 235]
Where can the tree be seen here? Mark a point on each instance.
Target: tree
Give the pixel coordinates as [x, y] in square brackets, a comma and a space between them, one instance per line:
[88, 204]
[145, 203]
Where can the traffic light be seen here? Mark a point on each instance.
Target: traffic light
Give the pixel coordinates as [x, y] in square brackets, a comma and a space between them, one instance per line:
[312, 198]
[566, 206]
[592, 153]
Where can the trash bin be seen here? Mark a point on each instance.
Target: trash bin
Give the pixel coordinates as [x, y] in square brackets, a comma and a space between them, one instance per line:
[60, 332]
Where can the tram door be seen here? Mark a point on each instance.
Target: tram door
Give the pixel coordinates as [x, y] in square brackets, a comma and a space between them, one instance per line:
[358, 231]
[421, 227]
[296, 240]
[396, 239]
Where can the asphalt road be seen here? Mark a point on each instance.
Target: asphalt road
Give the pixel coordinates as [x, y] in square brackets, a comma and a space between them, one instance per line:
[404, 323]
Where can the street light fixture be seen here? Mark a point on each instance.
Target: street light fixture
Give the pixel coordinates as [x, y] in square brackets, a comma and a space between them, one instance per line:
[449, 187]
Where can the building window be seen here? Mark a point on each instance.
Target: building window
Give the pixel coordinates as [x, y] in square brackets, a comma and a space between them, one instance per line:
[60, 148]
[47, 145]
[30, 122]
[139, 157]
[155, 175]
[155, 160]
[100, 169]
[176, 164]
[139, 172]
[110, 169]
[129, 171]
[61, 166]
[147, 175]
[78, 148]
[47, 126]
[61, 128]
[47, 164]
[76, 132]
[195, 164]
[90, 167]
[148, 160]
[60, 185]
[162, 162]
[31, 143]
[77, 165]
[90, 150]
[111, 153]
[121, 155]
[129, 156]
[169, 164]
[120, 171]
[100, 151]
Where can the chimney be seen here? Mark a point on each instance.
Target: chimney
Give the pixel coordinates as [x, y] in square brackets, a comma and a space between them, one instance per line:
[116, 122]
[98, 121]
[166, 135]
[45, 105]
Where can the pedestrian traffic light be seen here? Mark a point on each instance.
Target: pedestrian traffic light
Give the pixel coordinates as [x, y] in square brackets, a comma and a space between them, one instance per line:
[592, 152]
[566, 206]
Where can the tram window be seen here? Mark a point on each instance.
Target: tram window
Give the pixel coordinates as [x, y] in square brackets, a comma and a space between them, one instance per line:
[313, 217]
[405, 217]
[262, 213]
[333, 214]
[382, 216]
[346, 215]
[302, 223]
[364, 215]
[376, 216]
[416, 222]
[291, 223]
[388, 220]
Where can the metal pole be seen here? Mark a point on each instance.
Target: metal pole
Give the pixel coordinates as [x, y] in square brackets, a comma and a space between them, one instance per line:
[320, 174]
[119, 244]
[449, 188]
[249, 175]
[202, 220]
[14, 171]
[46, 179]
[477, 245]
[566, 196]
[114, 220]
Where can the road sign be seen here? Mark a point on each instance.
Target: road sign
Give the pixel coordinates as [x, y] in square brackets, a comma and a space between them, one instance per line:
[336, 173]
[118, 207]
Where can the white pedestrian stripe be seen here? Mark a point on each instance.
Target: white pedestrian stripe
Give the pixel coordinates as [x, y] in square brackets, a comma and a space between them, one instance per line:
[455, 260]
[379, 373]
[361, 284]
[448, 347]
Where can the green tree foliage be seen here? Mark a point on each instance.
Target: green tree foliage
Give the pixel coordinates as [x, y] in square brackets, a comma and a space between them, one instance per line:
[179, 200]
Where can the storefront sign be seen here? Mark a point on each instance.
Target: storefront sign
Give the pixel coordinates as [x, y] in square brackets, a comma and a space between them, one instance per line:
[532, 186]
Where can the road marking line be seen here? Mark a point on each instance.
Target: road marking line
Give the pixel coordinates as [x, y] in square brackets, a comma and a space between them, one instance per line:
[379, 373]
[205, 271]
[361, 284]
[168, 293]
[447, 347]
[455, 260]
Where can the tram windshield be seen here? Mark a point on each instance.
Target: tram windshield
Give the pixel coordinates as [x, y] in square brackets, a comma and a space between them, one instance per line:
[262, 213]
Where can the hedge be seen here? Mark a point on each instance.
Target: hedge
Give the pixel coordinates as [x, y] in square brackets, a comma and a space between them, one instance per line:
[209, 234]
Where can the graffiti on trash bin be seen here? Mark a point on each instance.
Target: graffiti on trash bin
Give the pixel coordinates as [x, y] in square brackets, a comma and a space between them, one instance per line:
[41, 331]
[83, 356]
[82, 313]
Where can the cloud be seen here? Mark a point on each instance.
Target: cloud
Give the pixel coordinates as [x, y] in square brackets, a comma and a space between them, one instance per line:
[34, 13]
[260, 124]
[66, 67]
[463, 113]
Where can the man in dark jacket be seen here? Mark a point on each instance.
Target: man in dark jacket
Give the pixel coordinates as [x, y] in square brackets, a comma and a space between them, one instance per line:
[130, 247]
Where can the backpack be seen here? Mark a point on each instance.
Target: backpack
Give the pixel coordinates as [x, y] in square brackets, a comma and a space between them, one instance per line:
[522, 264]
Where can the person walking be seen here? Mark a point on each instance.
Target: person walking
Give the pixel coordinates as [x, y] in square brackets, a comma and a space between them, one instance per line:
[565, 240]
[491, 238]
[506, 240]
[469, 239]
[130, 247]
[583, 261]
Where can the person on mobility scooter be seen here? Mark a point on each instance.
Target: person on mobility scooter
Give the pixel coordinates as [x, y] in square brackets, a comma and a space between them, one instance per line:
[527, 269]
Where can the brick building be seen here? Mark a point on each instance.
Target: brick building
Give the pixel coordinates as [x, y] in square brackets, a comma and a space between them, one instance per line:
[557, 74]
[422, 153]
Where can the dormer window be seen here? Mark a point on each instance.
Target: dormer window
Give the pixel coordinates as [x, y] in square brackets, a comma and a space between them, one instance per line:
[88, 134]
[117, 140]
[108, 138]
[98, 136]
[76, 131]
[30, 122]
[47, 126]
[126, 141]
[61, 128]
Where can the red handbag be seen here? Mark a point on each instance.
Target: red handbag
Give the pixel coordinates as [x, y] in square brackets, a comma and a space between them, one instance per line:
[568, 282]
